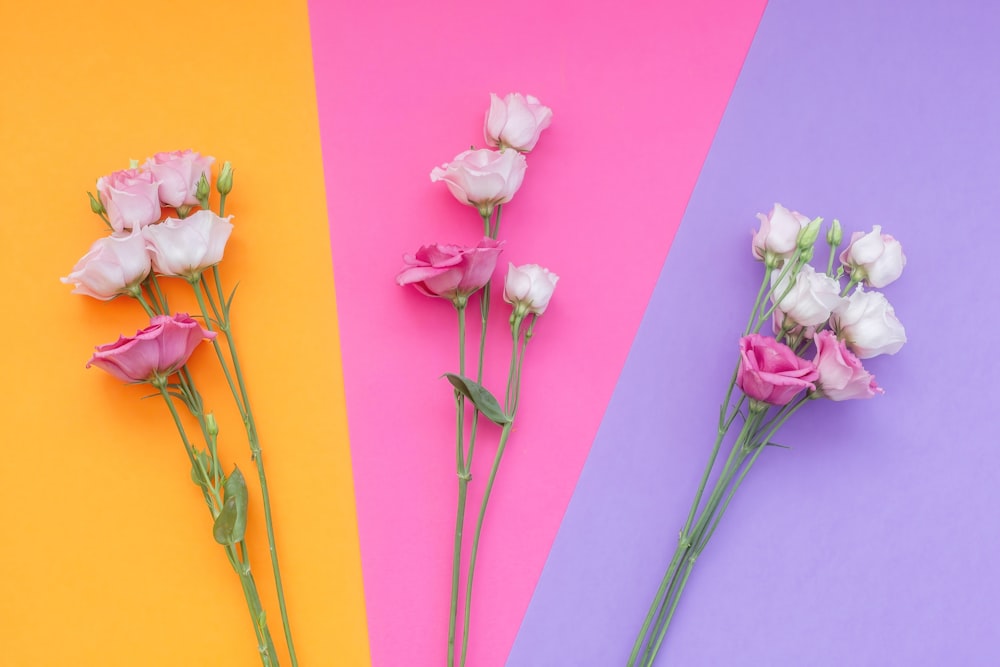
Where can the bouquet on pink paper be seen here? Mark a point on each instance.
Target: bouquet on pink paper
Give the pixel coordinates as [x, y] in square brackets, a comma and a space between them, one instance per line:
[821, 332]
[162, 227]
[484, 179]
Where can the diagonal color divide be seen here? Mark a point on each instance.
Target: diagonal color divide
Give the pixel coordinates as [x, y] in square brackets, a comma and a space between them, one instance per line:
[637, 94]
[873, 540]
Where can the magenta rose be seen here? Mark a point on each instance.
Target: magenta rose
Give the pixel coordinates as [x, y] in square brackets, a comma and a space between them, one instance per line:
[187, 247]
[178, 173]
[841, 375]
[777, 237]
[115, 265]
[130, 197]
[516, 121]
[450, 271]
[154, 352]
[874, 258]
[529, 288]
[770, 372]
[483, 178]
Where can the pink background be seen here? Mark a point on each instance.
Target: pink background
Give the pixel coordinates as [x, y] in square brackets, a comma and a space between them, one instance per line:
[637, 96]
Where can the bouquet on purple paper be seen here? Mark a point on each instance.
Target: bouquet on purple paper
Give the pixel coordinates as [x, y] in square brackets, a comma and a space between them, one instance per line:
[161, 226]
[484, 179]
[821, 332]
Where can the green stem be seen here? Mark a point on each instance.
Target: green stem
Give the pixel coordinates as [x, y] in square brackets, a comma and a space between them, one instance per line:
[243, 404]
[462, 470]
[160, 297]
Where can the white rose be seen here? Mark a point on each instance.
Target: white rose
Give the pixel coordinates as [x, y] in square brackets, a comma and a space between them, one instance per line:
[874, 258]
[868, 323]
[811, 298]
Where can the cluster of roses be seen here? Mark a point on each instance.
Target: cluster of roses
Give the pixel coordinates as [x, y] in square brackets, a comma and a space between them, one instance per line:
[844, 326]
[485, 179]
[144, 243]
[161, 226]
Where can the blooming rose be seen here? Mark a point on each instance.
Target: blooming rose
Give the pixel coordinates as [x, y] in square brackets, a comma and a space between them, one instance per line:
[154, 352]
[529, 288]
[115, 265]
[483, 178]
[778, 234]
[450, 271]
[187, 247]
[841, 375]
[874, 258]
[178, 173]
[516, 121]
[868, 323]
[810, 297]
[770, 371]
[130, 198]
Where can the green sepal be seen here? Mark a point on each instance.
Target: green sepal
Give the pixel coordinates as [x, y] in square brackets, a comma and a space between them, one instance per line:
[484, 401]
[231, 524]
[206, 463]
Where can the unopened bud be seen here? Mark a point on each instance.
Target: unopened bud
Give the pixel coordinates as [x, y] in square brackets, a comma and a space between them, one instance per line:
[201, 193]
[95, 204]
[808, 234]
[835, 234]
[224, 184]
[211, 425]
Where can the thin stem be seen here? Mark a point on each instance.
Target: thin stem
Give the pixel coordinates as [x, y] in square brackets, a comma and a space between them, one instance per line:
[160, 296]
[462, 470]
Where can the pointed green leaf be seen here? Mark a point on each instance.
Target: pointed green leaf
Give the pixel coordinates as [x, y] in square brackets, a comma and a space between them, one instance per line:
[484, 401]
[231, 524]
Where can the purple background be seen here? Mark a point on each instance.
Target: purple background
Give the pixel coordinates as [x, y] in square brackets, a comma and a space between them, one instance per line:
[875, 539]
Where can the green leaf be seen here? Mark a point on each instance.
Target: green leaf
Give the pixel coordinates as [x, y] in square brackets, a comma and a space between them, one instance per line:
[484, 401]
[231, 524]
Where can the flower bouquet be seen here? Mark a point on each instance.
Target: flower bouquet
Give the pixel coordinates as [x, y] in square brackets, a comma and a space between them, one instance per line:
[821, 332]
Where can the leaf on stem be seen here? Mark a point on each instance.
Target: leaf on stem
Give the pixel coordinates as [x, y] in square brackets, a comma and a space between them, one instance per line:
[231, 524]
[484, 401]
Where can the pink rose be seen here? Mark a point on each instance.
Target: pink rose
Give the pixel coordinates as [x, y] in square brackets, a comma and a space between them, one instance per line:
[516, 121]
[178, 173]
[115, 265]
[130, 198]
[810, 299]
[778, 234]
[529, 288]
[770, 372]
[874, 258]
[868, 323]
[483, 178]
[187, 247]
[841, 375]
[450, 271]
[154, 352]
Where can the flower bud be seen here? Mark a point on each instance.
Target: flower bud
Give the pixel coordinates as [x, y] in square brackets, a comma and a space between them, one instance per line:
[224, 184]
[201, 193]
[835, 234]
[95, 204]
[211, 425]
[809, 234]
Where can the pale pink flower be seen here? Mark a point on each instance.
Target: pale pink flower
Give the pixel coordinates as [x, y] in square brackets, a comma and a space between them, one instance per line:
[841, 375]
[483, 178]
[154, 352]
[178, 173]
[874, 258]
[187, 247]
[771, 372]
[516, 121]
[867, 322]
[115, 265]
[130, 198]
[810, 297]
[529, 288]
[778, 234]
[450, 271]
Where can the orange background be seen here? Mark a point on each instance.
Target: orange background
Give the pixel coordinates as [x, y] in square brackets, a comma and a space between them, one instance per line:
[107, 556]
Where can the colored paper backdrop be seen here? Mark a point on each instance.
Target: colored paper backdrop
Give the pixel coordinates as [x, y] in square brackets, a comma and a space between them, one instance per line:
[636, 94]
[873, 540]
[108, 556]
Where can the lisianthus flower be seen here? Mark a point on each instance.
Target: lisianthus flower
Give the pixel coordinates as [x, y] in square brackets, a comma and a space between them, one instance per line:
[770, 372]
[450, 271]
[516, 121]
[152, 353]
[483, 178]
[529, 288]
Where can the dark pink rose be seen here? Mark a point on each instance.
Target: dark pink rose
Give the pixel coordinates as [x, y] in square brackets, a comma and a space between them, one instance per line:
[841, 375]
[154, 352]
[130, 197]
[450, 271]
[178, 173]
[771, 372]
